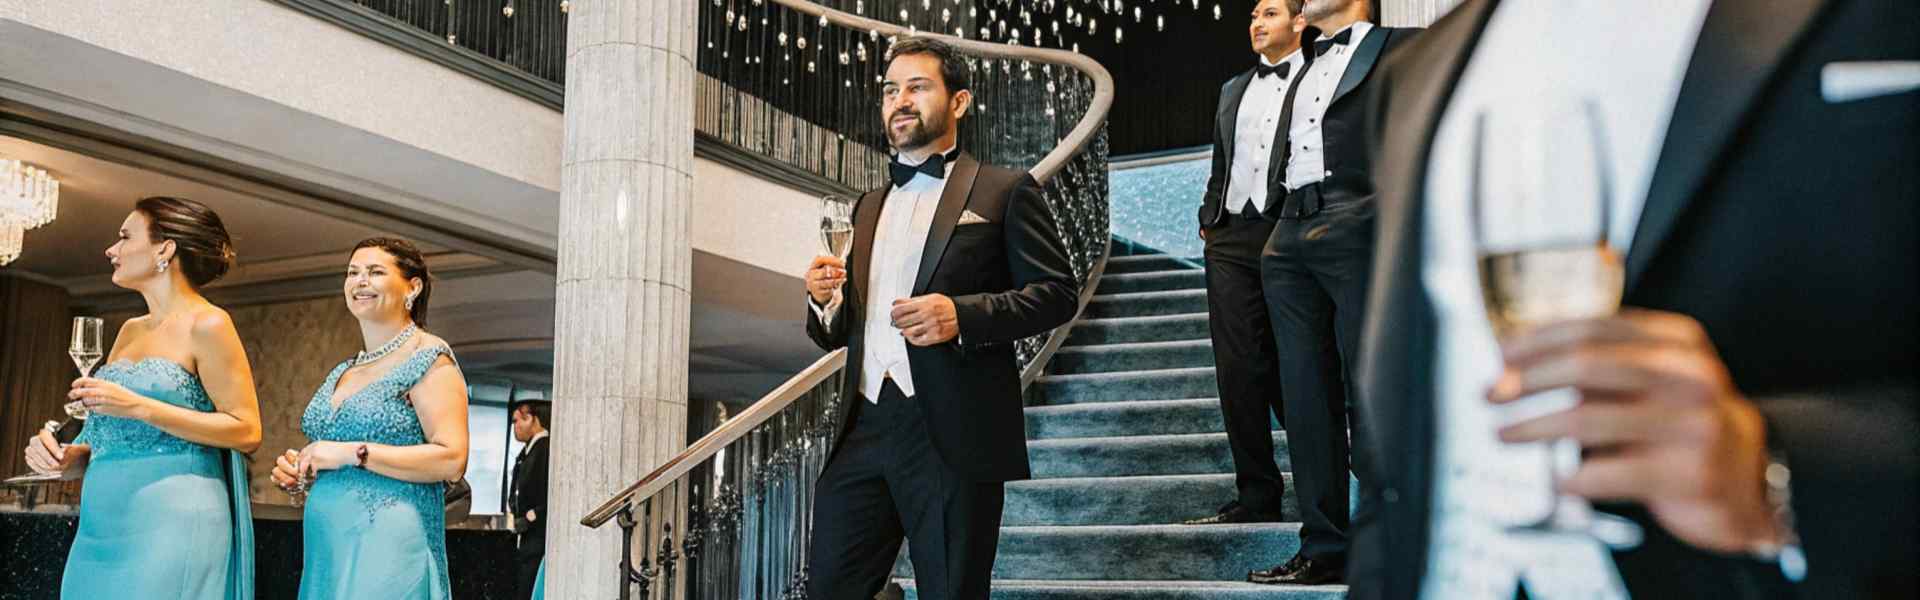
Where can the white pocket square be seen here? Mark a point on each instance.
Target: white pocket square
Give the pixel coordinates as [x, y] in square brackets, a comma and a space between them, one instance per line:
[1844, 81]
[970, 218]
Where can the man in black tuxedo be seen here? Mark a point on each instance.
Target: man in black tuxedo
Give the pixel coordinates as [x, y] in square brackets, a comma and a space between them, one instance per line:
[1314, 270]
[1236, 218]
[1754, 406]
[950, 265]
[527, 501]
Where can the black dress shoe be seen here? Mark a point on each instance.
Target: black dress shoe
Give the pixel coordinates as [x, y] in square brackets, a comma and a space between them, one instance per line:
[1301, 570]
[1236, 514]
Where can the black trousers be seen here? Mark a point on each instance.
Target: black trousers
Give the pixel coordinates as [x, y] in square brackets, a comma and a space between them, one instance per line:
[526, 563]
[887, 483]
[1244, 358]
[1315, 271]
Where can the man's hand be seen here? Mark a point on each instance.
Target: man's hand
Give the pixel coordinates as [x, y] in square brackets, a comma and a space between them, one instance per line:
[1659, 420]
[532, 517]
[1203, 234]
[926, 320]
[824, 276]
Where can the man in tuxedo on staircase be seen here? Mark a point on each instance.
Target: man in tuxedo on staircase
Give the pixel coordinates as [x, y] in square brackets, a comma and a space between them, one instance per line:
[527, 501]
[951, 264]
[1314, 269]
[1237, 214]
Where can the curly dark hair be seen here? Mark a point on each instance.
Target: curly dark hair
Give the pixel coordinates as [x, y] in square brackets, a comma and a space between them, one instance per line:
[412, 264]
[201, 246]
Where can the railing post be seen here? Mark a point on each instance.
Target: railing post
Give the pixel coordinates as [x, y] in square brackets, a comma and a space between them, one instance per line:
[626, 551]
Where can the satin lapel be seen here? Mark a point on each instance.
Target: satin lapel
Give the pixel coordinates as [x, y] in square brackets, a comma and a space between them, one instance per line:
[952, 201]
[1229, 118]
[866, 218]
[1740, 47]
[1364, 58]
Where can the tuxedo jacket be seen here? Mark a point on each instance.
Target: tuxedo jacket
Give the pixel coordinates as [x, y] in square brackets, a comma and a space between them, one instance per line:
[1786, 224]
[1345, 131]
[1009, 278]
[530, 493]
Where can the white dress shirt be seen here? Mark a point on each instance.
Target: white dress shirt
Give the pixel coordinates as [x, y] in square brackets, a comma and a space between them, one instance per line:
[1575, 51]
[898, 241]
[1255, 128]
[1307, 162]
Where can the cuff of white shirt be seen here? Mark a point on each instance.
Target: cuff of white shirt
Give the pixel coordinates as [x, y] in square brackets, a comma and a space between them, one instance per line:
[825, 313]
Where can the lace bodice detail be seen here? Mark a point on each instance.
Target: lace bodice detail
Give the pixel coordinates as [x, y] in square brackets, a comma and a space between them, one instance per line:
[156, 378]
[381, 414]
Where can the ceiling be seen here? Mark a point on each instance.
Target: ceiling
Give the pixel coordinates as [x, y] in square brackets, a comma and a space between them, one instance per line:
[96, 195]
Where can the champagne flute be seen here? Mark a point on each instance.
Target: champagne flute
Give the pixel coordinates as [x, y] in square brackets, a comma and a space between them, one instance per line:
[86, 350]
[836, 225]
[1541, 201]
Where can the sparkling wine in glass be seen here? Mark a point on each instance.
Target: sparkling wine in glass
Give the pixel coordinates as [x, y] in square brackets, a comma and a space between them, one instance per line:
[85, 350]
[836, 225]
[1542, 218]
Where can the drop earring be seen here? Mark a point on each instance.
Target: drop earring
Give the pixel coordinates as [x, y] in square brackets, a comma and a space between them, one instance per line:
[163, 266]
[409, 302]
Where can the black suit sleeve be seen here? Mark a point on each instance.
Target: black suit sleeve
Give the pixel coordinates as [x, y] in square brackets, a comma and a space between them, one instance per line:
[833, 337]
[1044, 295]
[1217, 180]
[1855, 458]
[533, 492]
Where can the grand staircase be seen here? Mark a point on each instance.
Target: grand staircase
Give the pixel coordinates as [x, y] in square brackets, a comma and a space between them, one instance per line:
[1127, 443]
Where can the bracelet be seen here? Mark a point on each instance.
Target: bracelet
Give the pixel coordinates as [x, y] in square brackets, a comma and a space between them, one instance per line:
[1784, 552]
[361, 453]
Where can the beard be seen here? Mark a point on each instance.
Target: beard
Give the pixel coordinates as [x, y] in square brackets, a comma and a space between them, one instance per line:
[923, 131]
[1320, 9]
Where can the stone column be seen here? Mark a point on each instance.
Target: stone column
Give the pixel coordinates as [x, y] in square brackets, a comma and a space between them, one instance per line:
[1413, 13]
[624, 276]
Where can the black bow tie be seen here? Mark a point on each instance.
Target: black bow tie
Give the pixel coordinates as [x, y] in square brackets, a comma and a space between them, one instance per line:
[1282, 69]
[1322, 46]
[935, 167]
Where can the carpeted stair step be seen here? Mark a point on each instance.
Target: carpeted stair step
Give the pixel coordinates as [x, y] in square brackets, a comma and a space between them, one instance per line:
[1162, 384]
[1109, 419]
[1148, 500]
[1069, 589]
[1157, 552]
[1123, 330]
[1146, 263]
[1146, 304]
[1189, 454]
[1137, 356]
[1153, 281]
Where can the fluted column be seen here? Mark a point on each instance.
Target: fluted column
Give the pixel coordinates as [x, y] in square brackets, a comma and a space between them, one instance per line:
[624, 277]
[1413, 13]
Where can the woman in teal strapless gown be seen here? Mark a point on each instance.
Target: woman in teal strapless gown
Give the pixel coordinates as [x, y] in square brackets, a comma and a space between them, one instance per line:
[540, 582]
[164, 506]
[388, 428]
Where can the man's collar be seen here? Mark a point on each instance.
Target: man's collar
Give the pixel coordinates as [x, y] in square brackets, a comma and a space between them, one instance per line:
[914, 162]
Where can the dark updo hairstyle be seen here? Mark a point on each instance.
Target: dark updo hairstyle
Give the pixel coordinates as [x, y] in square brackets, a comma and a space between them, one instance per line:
[412, 264]
[201, 247]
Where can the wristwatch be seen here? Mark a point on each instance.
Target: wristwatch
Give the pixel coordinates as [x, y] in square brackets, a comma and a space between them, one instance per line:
[361, 454]
[1784, 552]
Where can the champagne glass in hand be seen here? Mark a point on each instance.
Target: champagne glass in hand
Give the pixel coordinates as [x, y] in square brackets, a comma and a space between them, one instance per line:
[836, 226]
[86, 350]
[1542, 220]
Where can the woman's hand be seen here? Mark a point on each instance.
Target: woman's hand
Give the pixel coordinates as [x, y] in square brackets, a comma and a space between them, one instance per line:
[286, 473]
[111, 399]
[325, 456]
[47, 455]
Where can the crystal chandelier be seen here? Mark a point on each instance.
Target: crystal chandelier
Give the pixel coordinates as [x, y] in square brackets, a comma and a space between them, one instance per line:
[29, 197]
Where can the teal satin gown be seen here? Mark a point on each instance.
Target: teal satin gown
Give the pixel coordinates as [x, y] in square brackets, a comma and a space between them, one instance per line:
[368, 535]
[160, 517]
[540, 582]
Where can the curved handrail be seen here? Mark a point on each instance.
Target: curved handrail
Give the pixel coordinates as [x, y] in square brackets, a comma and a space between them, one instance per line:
[1076, 141]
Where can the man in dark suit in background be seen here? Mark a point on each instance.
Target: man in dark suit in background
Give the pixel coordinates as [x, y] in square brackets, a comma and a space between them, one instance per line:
[527, 501]
[1754, 407]
[950, 265]
[1314, 269]
[1236, 218]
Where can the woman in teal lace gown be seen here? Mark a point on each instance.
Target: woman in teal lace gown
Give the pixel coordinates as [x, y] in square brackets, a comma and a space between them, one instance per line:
[164, 507]
[388, 428]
